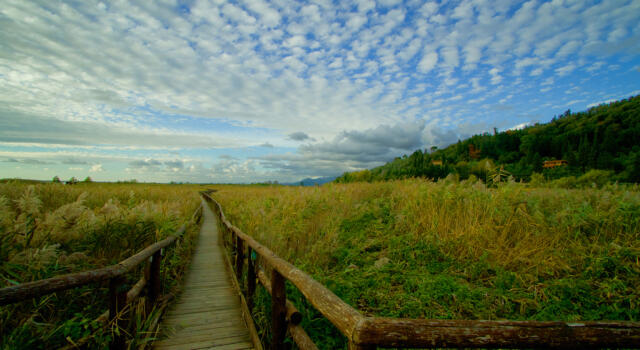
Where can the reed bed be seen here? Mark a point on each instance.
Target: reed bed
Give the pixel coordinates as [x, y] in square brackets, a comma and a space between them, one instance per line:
[53, 229]
[446, 250]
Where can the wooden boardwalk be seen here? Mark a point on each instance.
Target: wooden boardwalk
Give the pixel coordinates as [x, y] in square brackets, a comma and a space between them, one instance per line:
[207, 315]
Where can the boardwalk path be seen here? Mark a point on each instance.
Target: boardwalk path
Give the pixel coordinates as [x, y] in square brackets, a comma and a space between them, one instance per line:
[207, 315]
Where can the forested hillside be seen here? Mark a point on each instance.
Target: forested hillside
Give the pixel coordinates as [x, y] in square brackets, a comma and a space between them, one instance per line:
[605, 138]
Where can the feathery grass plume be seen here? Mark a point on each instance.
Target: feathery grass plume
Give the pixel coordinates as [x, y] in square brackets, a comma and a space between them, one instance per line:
[6, 214]
[29, 207]
[37, 258]
[67, 223]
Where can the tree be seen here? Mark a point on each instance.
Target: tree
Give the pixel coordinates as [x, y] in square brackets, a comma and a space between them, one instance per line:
[88, 179]
[56, 179]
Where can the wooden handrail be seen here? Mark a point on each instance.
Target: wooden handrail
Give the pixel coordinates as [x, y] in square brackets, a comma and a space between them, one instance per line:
[114, 273]
[341, 314]
[28, 290]
[394, 332]
[370, 332]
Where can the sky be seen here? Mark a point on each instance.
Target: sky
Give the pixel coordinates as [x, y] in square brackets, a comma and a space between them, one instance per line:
[252, 91]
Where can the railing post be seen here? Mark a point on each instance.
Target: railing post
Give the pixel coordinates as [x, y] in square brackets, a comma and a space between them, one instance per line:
[239, 258]
[278, 310]
[153, 284]
[354, 346]
[251, 278]
[117, 302]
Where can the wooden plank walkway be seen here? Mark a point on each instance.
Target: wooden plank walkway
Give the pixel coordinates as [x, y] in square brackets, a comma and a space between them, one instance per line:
[207, 315]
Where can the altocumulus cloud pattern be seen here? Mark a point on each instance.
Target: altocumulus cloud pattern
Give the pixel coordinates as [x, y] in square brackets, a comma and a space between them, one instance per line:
[252, 90]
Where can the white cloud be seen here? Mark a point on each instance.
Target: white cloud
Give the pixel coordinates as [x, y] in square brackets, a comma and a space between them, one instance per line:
[564, 70]
[269, 16]
[355, 22]
[428, 62]
[450, 56]
[366, 5]
[389, 3]
[429, 8]
[96, 168]
[495, 75]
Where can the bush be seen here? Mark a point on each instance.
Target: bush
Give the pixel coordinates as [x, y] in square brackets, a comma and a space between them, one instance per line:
[564, 182]
[537, 180]
[596, 178]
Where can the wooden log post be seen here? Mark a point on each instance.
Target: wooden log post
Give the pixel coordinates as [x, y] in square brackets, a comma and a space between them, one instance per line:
[239, 258]
[421, 333]
[301, 338]
[153, 287]
[251, 278]
[293, 315]
[278, 310]
[117, 302]
[354, 346]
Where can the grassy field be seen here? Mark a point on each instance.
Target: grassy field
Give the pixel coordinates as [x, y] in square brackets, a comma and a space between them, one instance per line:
[52, 229]
[448, 250]
[410, 248]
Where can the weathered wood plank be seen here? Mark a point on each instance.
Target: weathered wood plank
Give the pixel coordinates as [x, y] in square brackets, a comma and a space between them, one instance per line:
[207, 315]
[204, 344]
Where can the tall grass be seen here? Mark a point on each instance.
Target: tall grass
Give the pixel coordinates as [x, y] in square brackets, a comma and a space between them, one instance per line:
[447, 250]
[53, 229]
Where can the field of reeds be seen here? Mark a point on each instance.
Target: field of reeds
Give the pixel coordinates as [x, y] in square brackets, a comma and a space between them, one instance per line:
[52, 229]
[449, 250]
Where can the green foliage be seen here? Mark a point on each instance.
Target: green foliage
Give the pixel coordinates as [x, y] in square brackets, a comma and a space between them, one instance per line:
[594, 178]
[603, 138]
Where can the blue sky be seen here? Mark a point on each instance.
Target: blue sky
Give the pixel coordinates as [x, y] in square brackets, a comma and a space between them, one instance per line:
[248, 91]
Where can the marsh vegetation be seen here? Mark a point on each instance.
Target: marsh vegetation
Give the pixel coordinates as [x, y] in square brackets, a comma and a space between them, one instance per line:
[53, 229]
[447, 250]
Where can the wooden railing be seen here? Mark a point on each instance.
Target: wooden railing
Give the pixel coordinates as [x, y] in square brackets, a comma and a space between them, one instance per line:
[118, 299]
[363, 332]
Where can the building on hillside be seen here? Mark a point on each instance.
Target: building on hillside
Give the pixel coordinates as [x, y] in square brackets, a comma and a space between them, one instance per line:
[554, 163]
[473, 152]
[436, 162]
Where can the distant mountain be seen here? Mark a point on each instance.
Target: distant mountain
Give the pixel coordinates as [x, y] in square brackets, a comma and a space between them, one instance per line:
[605, 137]
[312, 182]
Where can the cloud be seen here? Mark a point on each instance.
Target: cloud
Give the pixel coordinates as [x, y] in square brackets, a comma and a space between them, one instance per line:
[348, 151]
[31, 161]
[174, 164]
[266, 145]
[74, 161]
[96, 168]
[144, 164]
[299, 136]
[269, 16]
[28, 128]
[211, 75]
[450, 56]
[428, 62]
